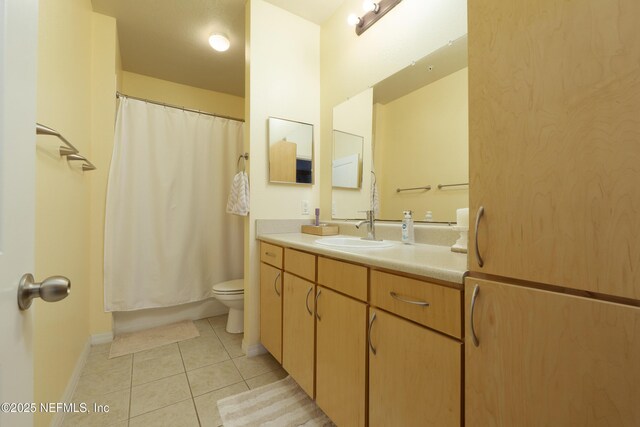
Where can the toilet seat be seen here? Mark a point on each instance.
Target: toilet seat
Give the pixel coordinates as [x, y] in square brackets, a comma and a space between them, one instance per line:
[230, 287]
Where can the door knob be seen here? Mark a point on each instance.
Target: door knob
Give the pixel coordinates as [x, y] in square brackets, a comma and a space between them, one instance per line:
[51, 289]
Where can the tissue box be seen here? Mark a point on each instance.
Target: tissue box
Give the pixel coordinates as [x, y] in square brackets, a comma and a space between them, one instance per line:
[321, 230]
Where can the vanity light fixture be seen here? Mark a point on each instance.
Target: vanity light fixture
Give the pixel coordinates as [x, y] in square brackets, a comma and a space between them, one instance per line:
[374, 11]
[219, 42]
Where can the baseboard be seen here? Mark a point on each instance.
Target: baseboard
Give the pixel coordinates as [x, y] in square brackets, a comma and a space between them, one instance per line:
[101, 338]
[58, 418]
[254, 350]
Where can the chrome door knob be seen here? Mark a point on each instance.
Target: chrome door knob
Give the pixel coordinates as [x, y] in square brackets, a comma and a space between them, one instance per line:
[51, 289]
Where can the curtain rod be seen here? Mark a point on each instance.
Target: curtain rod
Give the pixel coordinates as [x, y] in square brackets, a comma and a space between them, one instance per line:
[122, 95]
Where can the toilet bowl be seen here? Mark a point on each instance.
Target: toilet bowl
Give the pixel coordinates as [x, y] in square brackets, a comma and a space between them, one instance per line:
[231, 294]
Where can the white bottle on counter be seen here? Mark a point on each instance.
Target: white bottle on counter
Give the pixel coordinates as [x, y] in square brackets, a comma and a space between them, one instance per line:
[407, 228]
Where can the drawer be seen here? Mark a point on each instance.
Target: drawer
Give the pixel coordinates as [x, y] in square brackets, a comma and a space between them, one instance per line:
[343, 277]
[271, 254]
[406, 297]
[300, 263]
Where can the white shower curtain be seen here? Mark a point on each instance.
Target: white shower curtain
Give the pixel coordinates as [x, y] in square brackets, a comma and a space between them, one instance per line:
[167, 236]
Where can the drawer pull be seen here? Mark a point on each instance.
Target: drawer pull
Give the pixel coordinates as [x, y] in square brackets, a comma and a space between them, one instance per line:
[317, 295]
[271, 254]
[408, 301]
[306, 301]
[275, 284]
[474, 297]
[373, 318]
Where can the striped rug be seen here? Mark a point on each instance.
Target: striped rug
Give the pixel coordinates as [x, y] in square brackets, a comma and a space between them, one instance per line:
[278, 404]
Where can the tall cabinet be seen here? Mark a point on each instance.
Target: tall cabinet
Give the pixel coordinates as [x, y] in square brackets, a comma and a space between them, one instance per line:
[554, 131]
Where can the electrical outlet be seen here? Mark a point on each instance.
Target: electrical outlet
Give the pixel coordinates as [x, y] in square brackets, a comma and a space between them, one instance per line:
[305, 207]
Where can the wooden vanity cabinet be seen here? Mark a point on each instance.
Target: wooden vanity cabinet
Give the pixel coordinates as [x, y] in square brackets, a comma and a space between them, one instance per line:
[298, 331]
[545, 358]
[415, 375]
[271, 309]
[341, 324]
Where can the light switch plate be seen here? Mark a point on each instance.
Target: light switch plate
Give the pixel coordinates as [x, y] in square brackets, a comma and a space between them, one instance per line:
[305, 207]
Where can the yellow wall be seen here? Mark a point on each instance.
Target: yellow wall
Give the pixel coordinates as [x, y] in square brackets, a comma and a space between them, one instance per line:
[351, 63]
[182, 95]
[105, 68]
[422, 139]
[283, 80]
[62, 193]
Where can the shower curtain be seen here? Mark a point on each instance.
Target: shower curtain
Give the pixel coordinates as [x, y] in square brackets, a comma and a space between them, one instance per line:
[167, 236]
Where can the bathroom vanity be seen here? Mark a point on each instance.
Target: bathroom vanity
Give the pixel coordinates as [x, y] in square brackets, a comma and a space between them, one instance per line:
[375, 336]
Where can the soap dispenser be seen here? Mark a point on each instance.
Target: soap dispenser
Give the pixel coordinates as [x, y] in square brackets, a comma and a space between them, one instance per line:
[407, 228]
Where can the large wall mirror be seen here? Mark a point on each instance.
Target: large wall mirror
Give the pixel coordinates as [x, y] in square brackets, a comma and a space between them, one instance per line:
[290, 151]
[419, 140]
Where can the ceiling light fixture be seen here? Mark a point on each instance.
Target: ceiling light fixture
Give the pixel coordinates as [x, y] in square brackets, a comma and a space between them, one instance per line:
[219, 42]
[374, 11]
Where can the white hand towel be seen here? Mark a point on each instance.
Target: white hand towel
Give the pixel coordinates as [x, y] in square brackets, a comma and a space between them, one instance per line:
[238, 201]
[375, 199]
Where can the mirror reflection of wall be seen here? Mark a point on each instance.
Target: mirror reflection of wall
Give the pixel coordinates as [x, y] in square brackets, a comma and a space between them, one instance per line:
[354, 117]
[346, 165]
[290, 151]
[421, 137]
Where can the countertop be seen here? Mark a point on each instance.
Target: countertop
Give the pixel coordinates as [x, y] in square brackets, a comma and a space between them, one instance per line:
[429, 261]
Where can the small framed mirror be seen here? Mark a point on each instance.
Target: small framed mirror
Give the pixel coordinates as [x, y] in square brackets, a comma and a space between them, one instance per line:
[290, 151]
[347, 160]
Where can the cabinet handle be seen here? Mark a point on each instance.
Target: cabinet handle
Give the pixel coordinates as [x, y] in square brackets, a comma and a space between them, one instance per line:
[373, 318]
[317, 295]
[409, 301]
[474, 297]
[306, 301]
[271, 254]
[478, 217]
[275, 284]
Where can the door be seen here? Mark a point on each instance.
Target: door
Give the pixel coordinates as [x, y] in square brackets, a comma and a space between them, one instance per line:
[341, 357]
[415, 374]
[549, 359]
[271, 309]
[554, 101]
[18, 42]
[298, 326]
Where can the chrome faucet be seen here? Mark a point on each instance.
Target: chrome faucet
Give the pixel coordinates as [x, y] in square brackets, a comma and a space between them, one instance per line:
[371, 225]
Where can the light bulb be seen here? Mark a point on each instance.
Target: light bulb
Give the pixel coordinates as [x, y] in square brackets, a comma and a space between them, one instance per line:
[219, 42]
[370, 6]
[353, 20]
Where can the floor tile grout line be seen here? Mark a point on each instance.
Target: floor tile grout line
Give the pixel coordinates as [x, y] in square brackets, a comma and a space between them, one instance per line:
[193, 401]
[130, 391]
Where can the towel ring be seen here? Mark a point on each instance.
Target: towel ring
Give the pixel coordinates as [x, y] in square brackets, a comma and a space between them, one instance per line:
[244, 156]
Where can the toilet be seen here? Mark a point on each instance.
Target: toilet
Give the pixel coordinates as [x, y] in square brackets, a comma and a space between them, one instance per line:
[231, 294]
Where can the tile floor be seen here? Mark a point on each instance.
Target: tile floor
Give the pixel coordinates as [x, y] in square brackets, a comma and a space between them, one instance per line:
[175, 385]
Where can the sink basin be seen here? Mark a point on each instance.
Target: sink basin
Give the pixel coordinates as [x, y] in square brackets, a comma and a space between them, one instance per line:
[353, 242]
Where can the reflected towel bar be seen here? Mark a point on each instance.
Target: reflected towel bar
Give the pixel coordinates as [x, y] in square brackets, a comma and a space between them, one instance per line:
[68, 151]
[441, 186]
[426, 187]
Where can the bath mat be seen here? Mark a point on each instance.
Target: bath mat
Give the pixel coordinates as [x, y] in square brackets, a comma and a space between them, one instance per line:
[279, 404]
[152, 338]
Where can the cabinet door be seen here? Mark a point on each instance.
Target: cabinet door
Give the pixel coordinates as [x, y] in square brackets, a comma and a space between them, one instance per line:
[549, 359]
[415, 376]
[341, 357]
[271, 310]
[554, 125]
[298, 324]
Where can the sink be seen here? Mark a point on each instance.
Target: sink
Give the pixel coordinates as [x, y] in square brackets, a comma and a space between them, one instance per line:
[353, 242]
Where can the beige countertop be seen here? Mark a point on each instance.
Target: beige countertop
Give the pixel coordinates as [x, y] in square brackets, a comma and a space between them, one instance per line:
[430, 261]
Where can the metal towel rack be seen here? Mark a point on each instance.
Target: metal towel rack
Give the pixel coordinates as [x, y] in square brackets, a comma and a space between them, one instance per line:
[244, 156]
[426, 188]
[68, 151]
[441, 186]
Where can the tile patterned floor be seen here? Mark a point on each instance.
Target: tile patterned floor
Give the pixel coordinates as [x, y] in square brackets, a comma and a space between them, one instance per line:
[175, 385]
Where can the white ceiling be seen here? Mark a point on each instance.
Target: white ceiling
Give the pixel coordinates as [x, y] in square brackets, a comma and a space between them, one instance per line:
[167, 39]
